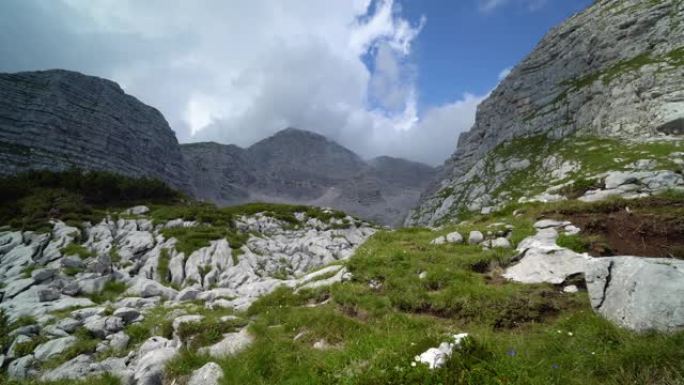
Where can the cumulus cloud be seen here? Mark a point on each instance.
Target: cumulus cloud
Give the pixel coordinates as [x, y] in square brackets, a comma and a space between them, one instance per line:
[238, 71]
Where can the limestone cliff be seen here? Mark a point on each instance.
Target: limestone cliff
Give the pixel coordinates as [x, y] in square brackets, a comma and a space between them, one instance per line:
[614, 70]
[59, 119]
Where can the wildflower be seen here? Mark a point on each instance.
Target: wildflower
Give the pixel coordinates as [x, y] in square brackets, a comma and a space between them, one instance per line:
[512, 353]
[413, 364]
[570, 334]
[555, 366]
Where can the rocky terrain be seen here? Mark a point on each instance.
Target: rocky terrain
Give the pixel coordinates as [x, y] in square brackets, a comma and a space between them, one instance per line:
[612, 71]
[57, 120]
[296, 166]
[82, 295]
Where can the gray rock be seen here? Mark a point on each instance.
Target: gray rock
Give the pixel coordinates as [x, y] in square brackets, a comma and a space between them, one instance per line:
[18, 286]
[72, 262]
[439, 240]
[19, 339]
[145, 288]
[232, 343]
[501, 243]
[42, 275]
[49, 294]
[209, 374]
[137, 210]
[570, 289]
[119, 341]
[103, 326]
[188, 294]
[544, 262]
[154, 354]
[21, 368]
[53, 348]
[454, 237]
[640, 294]
[75, 369]
[69, 325]
[127, 314]
[66, 124]
[475, 237]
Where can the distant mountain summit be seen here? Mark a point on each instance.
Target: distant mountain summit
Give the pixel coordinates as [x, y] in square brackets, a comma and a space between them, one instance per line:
[298, 166]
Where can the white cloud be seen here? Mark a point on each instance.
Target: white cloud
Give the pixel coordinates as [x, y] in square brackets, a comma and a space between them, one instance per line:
[491, 5]
[235, 71]
[504, 73]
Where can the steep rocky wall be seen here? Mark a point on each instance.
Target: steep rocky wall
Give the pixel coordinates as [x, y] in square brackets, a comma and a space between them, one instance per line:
[614, 70]
[60, 119]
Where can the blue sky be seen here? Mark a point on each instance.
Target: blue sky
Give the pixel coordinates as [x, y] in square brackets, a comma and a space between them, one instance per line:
[463, 47]
[381, 77]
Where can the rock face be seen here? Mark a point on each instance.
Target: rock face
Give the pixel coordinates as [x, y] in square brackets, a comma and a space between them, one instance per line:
[613, 70]
[296, 166]
[59, 119]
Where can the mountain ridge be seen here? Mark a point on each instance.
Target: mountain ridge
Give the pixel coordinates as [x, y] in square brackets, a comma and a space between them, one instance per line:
[300, 166]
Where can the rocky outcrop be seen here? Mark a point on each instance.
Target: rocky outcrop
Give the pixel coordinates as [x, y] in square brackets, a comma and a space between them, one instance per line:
[301, 167]
[58, 120]
[275, 254]
[613, 70]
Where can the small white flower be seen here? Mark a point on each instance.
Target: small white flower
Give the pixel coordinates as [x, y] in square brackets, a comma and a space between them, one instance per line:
[570, 334]
[593, 353]
[413, 364]
[560, 331]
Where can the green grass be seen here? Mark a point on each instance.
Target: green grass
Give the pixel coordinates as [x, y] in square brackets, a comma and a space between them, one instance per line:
[575, 243]
[85, 343]
[77, 250]
[25, 348]
[156, 323]
[521, 334]
[163, 266]
[28, 201]
[110, 292]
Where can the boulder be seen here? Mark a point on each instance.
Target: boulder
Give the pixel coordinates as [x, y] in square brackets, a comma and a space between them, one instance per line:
[145, 288]
[21, 368]
[640, 294]
[137, 210]
[232, 343]
[154, 354]
[209, 374]
[544, 262]
[454, 237]
[75, 369]
[501, 242]
[475, 237]
[438, 241]
[69, 325]
[48, 294]
[119, 341]
[101, 327]
[53, 348]
[127, 314]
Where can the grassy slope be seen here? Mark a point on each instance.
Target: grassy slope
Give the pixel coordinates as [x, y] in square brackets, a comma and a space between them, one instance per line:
[522, 334]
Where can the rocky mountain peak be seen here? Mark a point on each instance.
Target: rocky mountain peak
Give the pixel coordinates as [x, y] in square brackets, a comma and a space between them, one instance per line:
[612, 71]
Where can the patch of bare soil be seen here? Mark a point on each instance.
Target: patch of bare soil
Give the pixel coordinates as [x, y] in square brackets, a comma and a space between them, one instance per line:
[654, 229]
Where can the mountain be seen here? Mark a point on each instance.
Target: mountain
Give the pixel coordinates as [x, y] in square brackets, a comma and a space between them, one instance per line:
[297, 166]
[59, 119]
[579, 106]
